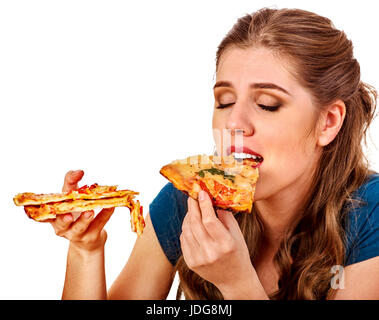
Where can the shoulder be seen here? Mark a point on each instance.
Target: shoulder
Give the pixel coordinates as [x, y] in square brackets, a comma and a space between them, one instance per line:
[362, 227]
[365, 200]
[370, 189]
[170, 203]
[167, 212]
[169, 194]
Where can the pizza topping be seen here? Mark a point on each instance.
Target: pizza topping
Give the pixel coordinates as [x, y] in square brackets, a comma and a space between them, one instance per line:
[87, 189]
[222, 194]
[205, 188]
[216, 171]
[83, 189]
[95, 185]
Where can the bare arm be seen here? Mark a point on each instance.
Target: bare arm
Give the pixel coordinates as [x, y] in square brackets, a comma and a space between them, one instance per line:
[359, 281]
[148, 274]
[85, 273]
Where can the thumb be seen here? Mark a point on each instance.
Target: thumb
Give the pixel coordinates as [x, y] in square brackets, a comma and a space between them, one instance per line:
[71, 180]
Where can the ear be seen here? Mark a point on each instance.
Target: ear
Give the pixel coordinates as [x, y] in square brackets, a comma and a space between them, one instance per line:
[331, 122]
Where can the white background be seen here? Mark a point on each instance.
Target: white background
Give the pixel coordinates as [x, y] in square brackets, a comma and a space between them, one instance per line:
[118, 89]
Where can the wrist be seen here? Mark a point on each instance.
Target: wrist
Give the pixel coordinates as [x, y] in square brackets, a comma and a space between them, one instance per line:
[88, 248]
[85, 251]
[248, 288]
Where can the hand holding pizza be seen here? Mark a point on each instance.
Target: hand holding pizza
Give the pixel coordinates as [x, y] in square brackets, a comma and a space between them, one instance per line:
[215, 248]
[86, 232]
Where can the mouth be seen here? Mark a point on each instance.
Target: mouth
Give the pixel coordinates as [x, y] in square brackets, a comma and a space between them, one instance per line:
[245, 153]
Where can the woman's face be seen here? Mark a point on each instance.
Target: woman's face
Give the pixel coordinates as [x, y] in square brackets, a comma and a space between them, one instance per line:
[255, 93]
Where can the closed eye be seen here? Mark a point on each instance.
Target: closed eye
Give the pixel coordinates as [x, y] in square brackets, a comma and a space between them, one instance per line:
[222, 106]
[269, 108]
[262, 106]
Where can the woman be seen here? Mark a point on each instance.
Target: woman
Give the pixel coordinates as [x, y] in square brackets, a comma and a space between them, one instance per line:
[288, 80]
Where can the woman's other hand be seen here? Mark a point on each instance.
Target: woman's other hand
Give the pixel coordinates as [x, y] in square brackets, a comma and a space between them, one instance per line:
[86, 232]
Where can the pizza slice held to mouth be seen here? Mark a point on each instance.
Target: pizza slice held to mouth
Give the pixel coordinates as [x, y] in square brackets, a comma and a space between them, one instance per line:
[41, 207]
[229, 182]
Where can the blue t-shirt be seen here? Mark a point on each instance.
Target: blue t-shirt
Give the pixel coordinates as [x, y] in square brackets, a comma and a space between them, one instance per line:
[168, 209]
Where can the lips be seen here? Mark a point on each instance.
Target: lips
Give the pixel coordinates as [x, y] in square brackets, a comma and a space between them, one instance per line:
[245, 153]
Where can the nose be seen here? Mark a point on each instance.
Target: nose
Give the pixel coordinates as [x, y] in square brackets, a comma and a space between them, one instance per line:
[239, 119]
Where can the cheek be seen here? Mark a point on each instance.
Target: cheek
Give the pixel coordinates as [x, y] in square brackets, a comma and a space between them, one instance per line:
[218, 120]
[290, 154]
[218, 124]
[292, 137]
[292, 149]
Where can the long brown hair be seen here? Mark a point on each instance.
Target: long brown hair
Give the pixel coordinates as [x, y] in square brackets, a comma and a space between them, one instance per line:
[325, 65]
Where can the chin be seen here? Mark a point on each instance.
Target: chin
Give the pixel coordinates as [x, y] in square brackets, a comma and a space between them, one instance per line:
[258, 196]
[264, 190]
[259, 193]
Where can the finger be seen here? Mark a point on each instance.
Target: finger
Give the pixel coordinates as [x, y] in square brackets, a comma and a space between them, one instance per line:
[212, 224]
[194, 215]
[189, 245]
[228, 220]
[71, 180]
[208, 246]
[187, 233]
[100, 220]
[80, 226]
[62, 223]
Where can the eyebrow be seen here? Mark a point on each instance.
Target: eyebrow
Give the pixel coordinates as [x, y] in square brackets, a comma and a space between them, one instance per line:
[261, 85]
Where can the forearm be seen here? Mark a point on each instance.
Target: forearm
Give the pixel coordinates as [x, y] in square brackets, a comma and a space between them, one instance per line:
[85, 275]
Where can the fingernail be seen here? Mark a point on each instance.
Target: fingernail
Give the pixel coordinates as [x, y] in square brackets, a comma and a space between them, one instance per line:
[67, 218]
[88, 214]
[201, 195]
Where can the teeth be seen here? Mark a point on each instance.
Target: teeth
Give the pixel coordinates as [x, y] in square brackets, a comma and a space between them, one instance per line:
[244, 156]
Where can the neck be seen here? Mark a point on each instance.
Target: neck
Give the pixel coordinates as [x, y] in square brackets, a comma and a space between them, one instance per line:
[279, 212]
